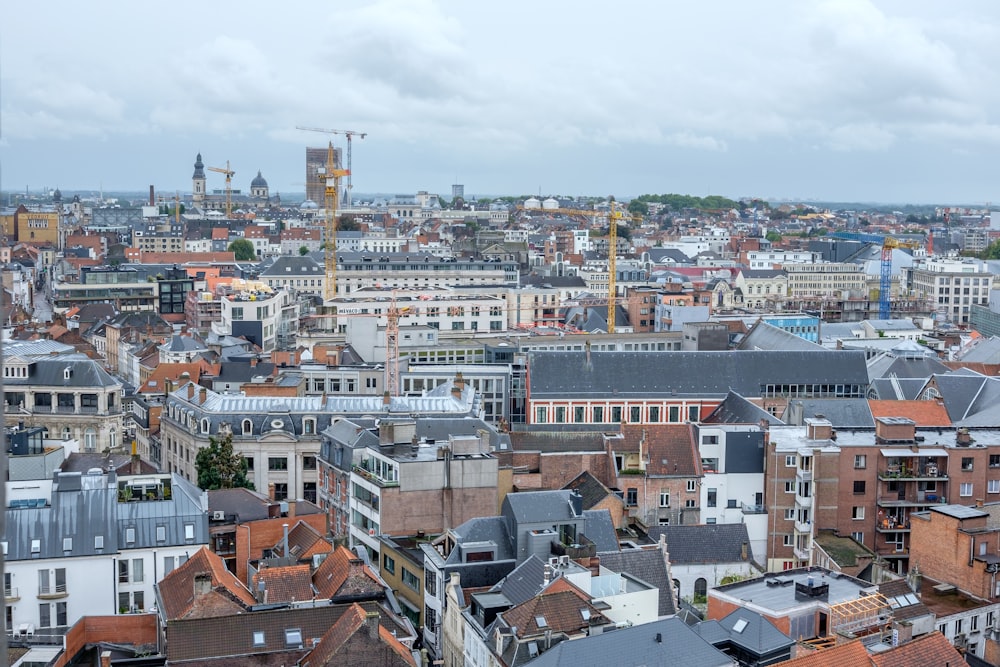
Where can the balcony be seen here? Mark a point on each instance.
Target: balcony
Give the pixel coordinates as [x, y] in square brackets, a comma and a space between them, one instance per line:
[801, 554]
[918, 499]
[371, 477]
[11, 594]
[889, 526]
[926, 473]
[52, 592]
[804, 475]
[805, 502]
[754, 509]
[803, 526]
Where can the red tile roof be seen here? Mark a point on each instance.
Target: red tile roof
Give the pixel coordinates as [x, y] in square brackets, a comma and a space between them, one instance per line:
[352, 628]
[288, 583]
[560, 607]
[852, 654]
[224, 596]
[671, 448]
[924, 413]
[931, 650]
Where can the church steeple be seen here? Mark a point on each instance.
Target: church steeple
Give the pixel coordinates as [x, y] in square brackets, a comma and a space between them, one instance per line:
[198, 181]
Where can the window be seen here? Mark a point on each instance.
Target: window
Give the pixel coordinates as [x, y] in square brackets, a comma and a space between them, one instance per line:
[388, 564]
[281, 491]
[858, 537]
[247, 427]
[654, 414]
[560, 414]
[860, 460]
[859, 487]
[713, 497]
[965, 490]
[790, 486]
[791, 460]
[258, 638]
[789, 515]
[694, 413]
[98, 542]
[631, 497]
[857, 512]
[189, 532]
[277, 463]
[293, 637]
[711, 521]
[308, 462]
[731, 504]
[967, 463]
[995, 460]
[598, 415]
[578, 414]
[664, 499]
[616, 414]
[691, 485]
[161, 533]
[993, 486]
[430, 582]
[541, 415]
[635, 414]
[45, 615]
[130, 536]
[690, 503]
[411, 580]
[787, 540]
[67, 544]
[674, 413]
[709, 439]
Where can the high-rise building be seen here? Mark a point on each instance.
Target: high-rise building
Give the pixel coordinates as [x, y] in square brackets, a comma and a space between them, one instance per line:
[316, 158]
[458, 191]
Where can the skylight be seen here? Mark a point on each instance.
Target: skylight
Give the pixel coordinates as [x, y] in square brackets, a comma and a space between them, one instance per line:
[540, 621]
[740, 625]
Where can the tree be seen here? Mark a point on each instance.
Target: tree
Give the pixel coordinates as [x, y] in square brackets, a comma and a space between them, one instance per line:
[992, 252]
[638, 207]
[347, 223]
[243, 249]
[773, 236]
[303, 250]
[220, 467]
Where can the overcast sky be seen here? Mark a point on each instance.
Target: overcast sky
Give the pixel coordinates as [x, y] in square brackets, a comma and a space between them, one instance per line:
[844, 100]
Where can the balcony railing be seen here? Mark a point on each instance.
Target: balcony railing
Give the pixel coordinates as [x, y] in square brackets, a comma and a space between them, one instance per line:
[804, 475]
[57, 591]
[11, 594]
[911, 500]
[801, 554]
[927, 473]
[754, 509]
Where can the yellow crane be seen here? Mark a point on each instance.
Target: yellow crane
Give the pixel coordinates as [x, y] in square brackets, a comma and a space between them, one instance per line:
[350, 134]
[229, 186]
[614, 215]
[330, 176]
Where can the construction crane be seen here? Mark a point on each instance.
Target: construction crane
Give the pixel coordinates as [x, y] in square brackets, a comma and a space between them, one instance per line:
[350, 134]
[229, 186]
[888, 243]
[331, 179]
[614, 215]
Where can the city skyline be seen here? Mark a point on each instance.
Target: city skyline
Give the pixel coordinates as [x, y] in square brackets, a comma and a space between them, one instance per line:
[836, 101]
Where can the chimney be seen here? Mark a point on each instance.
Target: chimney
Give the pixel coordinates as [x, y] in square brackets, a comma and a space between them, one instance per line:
[547, 576]
[284, 539]
[576, 502]
[386, 398]
[744, 551]
[152, 196]
[895, 429]
[202, 394]
[371, 623]
[587, 348]
[270, 490]
[979, 502]
[818, 429]
[202, 583]
[190, 390]
[253, 362]
[963, 438]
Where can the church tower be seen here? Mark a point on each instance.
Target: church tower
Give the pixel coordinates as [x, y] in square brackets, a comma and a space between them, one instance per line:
[198, 181]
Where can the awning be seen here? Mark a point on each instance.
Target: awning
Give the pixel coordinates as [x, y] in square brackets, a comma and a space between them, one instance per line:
[909, 453]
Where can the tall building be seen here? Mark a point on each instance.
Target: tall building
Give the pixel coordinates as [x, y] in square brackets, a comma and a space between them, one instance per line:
[458, 191]
[198, 181]
[316, 158]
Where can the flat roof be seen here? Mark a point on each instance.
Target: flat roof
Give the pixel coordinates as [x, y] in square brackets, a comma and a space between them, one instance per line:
[779, 599]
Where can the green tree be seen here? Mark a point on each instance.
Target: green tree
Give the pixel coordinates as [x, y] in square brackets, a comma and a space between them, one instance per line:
[220, 467]
[303, 250]
[992, 252]
[347, 223]
[638, 207]
[243, 250]
[773, 236]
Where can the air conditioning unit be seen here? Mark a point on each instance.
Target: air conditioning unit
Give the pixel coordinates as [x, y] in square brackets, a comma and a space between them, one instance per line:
[218, 515]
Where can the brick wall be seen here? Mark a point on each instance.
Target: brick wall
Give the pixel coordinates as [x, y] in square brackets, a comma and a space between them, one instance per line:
[125, 629]
[942, 552]
[255, 536]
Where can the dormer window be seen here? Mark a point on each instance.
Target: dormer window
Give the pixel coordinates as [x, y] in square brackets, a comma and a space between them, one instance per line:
[247, 427]
[67, 373]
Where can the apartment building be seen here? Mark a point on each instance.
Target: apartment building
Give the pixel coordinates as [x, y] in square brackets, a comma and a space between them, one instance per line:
[268, 319]
[770, 260]
[825, 279]
[952, 286]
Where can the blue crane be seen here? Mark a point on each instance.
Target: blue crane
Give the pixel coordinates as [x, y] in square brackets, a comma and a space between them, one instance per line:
[888, 244]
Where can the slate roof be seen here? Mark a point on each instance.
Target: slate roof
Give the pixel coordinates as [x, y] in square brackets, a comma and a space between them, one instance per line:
[557, 441]
[735, 409]
[227, 596]
[758, 635]
[841, 412]
[663, 642]
[183, 344]
[658, 255]
[50, 372]
[539, 506]
[523, 582]
[590, 489]
[485, 529]
[899, 389]
[243, 505]
[764, 336]
[970, 398]
[646, 564]
[622, 375]
[985, 351]
[293, 266]
[702, 544]
[761, 274]
[600, 529]
[906, 366]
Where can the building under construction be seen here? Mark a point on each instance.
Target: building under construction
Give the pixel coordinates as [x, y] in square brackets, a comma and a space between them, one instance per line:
[316, 159]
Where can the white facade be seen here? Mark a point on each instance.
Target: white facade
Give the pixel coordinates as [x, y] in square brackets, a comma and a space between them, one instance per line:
[775, 259]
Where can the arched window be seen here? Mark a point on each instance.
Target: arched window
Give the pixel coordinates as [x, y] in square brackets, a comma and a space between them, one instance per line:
[677, 588]
[112, 439]
[700, 589]
[247, 427]
[204, 426]
[66, 433]
[308, 426]
[90, 440]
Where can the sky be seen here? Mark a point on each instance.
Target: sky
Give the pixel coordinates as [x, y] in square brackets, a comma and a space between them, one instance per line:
[846, 100]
